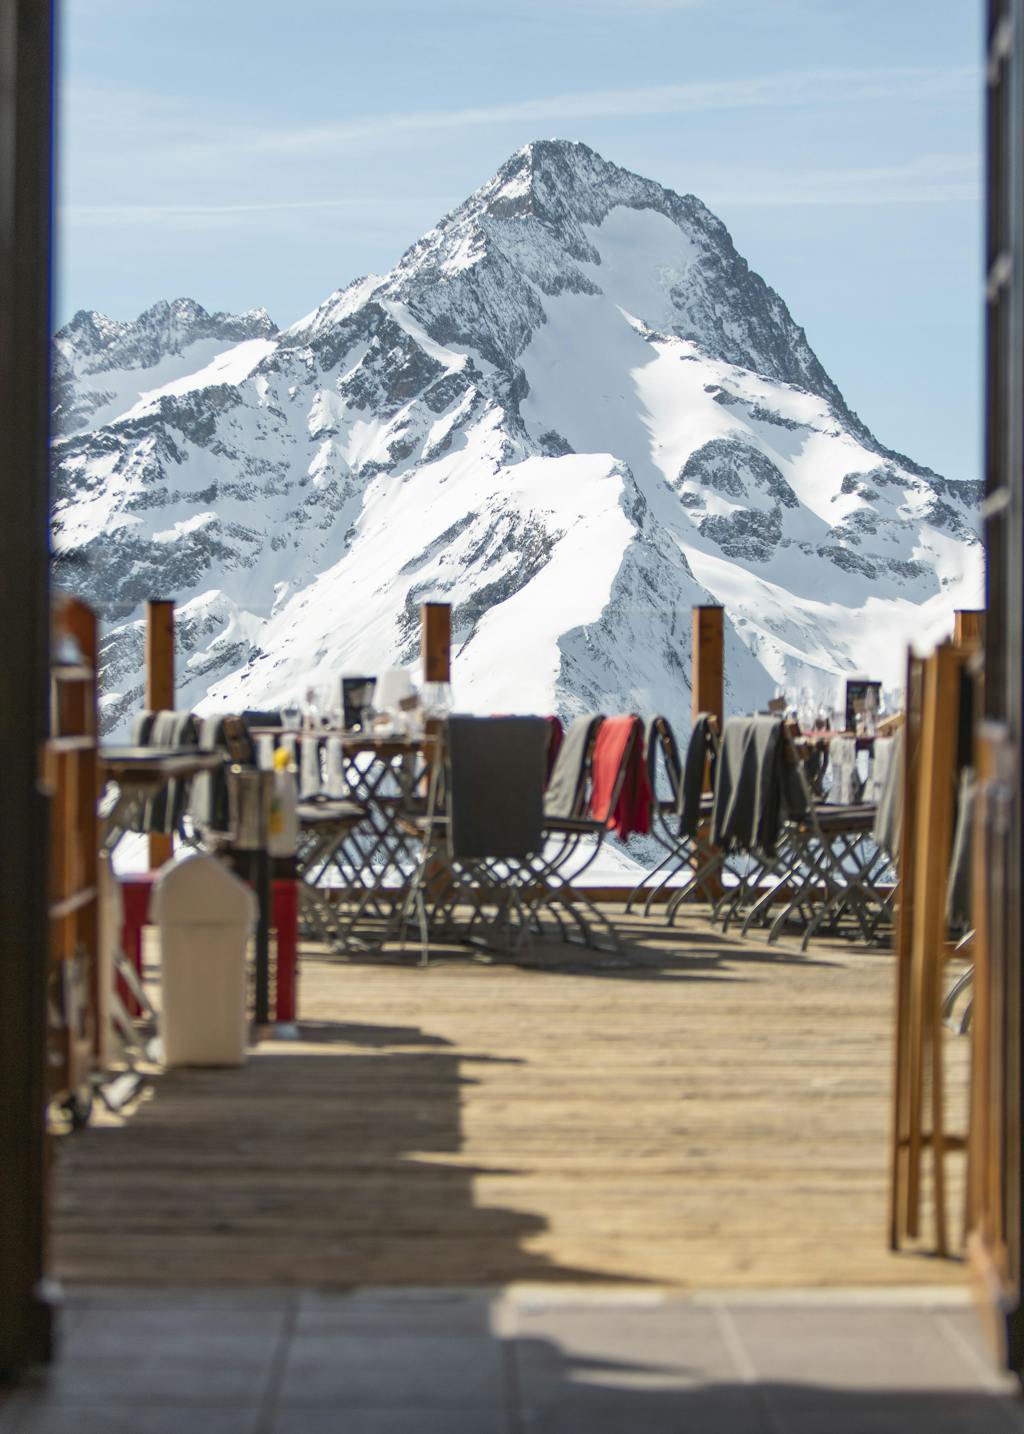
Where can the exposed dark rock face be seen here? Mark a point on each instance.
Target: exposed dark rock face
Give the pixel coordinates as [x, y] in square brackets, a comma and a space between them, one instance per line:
[745, 535]
[737, 469]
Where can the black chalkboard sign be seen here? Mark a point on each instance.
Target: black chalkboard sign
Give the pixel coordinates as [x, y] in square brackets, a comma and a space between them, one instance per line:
[860, 697]
[356, 698]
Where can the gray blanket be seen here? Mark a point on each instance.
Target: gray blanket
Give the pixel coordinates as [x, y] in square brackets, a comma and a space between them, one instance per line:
[564, 795]
[692, 786]
[496, 769]
[756, 785]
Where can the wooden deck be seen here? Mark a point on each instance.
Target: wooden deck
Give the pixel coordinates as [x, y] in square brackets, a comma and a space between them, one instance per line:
[713, 1115]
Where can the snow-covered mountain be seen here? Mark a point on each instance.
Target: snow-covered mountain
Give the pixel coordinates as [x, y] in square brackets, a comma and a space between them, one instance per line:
[571, 409]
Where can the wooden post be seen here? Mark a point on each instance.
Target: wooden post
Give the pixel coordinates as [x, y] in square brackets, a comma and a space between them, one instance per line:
[159, 694]
[436, 641]
[707, 686]
[968, 626]
[436, 653]
[930, 773]
[708, 661]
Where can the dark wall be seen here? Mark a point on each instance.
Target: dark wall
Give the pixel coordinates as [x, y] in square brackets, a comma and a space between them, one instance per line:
[26, 93]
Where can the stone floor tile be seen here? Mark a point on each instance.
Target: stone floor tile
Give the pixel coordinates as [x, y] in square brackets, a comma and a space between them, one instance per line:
[853, 1411]
[365, 1370]
[882, 1348]
[159, 1377]
[461, 1419]
[718, 1409]
[441, 1313]
[201, 1333]
[50, 1418]
[963, 1329]
[661, 1347]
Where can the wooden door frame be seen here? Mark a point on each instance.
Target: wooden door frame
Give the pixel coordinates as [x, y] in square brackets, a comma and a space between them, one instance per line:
[26, 179]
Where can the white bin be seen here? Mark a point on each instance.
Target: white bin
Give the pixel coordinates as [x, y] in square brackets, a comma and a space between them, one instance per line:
[205, 915]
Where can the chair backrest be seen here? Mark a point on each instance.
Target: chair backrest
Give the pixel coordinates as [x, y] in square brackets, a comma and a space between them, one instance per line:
[495, 786]
[567, 789]
[882, 757]
[662, 750]
[889, 793]
[620, 790]
[556, 736]
[142, 726]
[167, 729]
[758, 784]
[846, 784]
[702, 746]
[209, 804]
[616, 741]
[310, 775]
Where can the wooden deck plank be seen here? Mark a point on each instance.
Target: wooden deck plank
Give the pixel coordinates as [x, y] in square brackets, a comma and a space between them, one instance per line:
[716, 1116]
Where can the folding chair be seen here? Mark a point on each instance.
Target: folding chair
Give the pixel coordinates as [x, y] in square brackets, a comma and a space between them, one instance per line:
[754, 795]
[166, 811]
[679, 817]
[583, 797]
[857, 860]
[832, 864]
[481, 832]
[327, 820]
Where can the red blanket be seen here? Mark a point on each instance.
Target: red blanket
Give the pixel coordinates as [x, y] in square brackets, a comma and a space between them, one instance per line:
[619, 741]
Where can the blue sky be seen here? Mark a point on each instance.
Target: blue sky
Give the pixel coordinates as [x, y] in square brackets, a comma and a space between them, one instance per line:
[248, 154]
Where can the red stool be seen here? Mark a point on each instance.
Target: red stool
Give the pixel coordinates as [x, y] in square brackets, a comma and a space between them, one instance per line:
[136, 889]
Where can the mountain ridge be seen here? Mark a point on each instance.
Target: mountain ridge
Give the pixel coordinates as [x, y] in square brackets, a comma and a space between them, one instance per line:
[571, 342]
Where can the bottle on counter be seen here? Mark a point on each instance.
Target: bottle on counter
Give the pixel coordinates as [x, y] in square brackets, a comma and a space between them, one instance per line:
[283, 818]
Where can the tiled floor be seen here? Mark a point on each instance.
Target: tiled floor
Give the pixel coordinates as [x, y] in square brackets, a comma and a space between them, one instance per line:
[516, 1361]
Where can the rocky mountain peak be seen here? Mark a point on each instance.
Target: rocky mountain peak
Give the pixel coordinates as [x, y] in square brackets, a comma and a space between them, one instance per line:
[92, 342]
[571, 409]
[100, 365]
[480, 277]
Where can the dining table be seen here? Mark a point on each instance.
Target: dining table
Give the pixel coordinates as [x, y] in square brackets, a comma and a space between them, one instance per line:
[355, 872]
[132, 776]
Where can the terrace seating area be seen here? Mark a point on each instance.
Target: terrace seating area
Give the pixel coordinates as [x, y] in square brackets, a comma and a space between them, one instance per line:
[504, 817]
[467, 1066]
[467, 1069]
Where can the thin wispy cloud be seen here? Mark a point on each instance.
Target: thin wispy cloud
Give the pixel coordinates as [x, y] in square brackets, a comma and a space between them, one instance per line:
[797, 90]
[932, 179]
[175, 126]
[100, 215]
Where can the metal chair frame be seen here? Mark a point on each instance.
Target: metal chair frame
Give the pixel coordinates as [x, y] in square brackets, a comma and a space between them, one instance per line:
[682, 851]
[445, 884]
[558, 893]
[824, 869]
